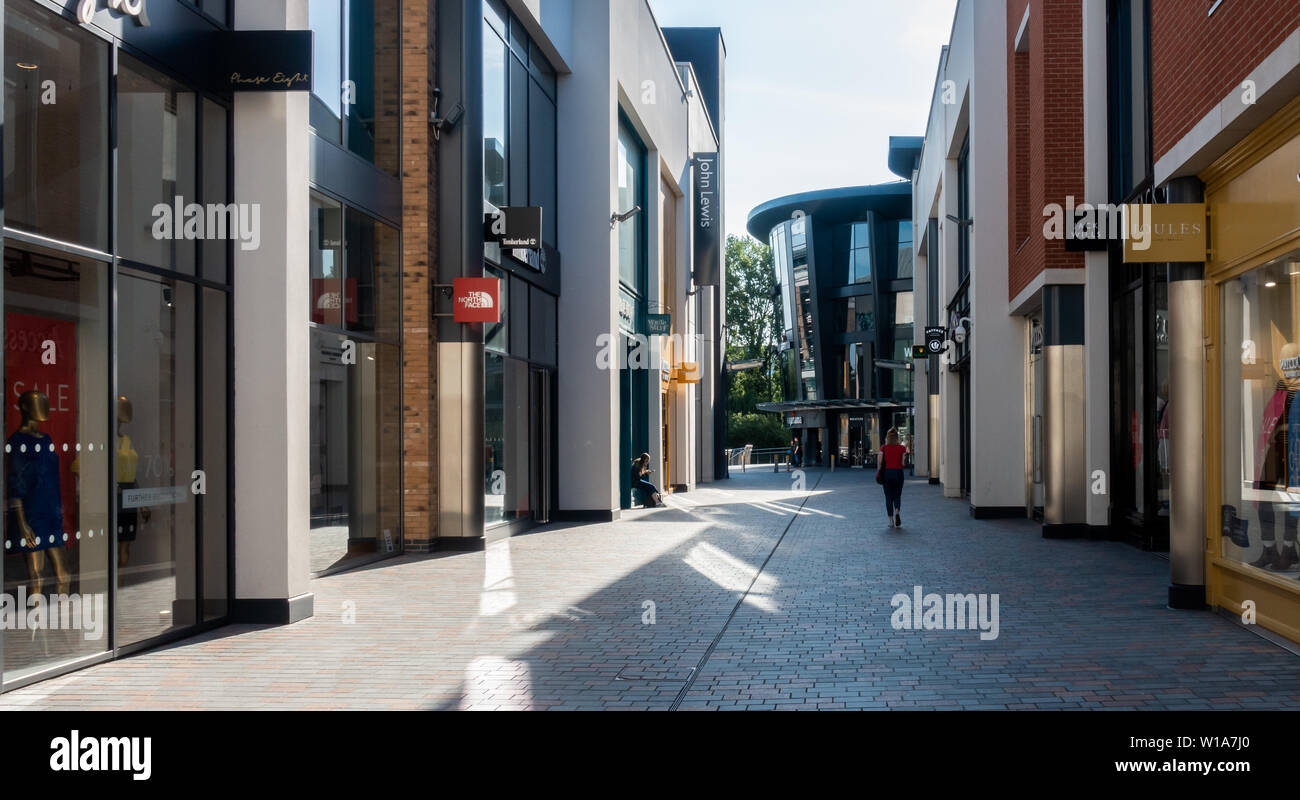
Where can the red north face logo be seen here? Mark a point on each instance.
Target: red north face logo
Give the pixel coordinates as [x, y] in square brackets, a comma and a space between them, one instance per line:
[477, 299]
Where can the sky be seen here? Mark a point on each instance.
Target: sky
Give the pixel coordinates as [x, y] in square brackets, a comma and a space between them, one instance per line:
[815, 88]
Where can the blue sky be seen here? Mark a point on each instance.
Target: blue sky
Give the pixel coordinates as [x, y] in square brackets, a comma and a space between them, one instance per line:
[815, 88]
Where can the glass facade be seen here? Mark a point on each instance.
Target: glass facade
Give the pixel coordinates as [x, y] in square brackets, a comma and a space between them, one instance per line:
[356, 95]
[520, 349]
[116, 468]
[1260, 417]
[356, 402]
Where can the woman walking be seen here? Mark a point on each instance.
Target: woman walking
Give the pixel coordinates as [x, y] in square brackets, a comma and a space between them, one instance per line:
[891, 474]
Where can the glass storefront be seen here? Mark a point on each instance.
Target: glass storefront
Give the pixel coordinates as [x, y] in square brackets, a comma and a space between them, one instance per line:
[1261, 416]
[520, 350]
[356, 402]
[116, 466]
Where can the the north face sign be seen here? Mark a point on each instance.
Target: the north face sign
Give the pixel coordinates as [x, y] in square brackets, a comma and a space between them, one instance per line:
[476, 300]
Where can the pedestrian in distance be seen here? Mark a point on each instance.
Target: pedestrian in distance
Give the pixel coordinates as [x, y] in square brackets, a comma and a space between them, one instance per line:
[889, 473]
[649, 494]
[795, 460]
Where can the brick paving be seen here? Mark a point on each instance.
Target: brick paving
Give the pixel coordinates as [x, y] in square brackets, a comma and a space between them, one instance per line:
[556, 619]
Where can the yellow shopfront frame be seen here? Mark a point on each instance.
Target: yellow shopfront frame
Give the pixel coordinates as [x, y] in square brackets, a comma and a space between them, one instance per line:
[1254, 208]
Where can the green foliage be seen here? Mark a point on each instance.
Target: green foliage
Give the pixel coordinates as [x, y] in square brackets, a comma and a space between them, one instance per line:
[751, 326]
[760, 429]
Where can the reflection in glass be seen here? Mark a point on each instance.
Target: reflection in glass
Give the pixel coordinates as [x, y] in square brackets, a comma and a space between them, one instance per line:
[325, 18]
[56, 159]
[506, 454]
[373, 295]
[156, 454]
[215, 424]
[57, 540]
[494, 118]
[374, 88]
[156, 164]
[326, 254]
[355, 451]
[631, 180]
[216, 153]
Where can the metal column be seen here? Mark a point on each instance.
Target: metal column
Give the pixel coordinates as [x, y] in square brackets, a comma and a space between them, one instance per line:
[1187, 446]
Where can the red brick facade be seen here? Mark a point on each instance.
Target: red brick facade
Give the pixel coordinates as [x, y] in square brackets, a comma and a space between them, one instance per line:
[1044, 132]
[419, 351]
[1196, 59]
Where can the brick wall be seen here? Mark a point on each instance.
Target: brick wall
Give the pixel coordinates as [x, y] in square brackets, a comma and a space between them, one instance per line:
[1044, 131]
[1196, 60]
[419, 182]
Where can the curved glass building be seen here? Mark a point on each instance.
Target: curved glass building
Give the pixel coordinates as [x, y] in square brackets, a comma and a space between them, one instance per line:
[843, 264]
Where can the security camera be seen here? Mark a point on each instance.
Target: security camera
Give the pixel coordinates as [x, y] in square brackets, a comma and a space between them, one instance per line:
[959, 334]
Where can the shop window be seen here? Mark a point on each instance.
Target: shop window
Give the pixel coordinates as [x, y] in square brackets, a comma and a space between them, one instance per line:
[56, 534]
[373, 284]
[356, 94]
[506, 411]
[157, 124]
[1261, 417]
[631, 193]
[326, 257]
[56, 159]
[156, 454]
[355, 459]
[496, 335]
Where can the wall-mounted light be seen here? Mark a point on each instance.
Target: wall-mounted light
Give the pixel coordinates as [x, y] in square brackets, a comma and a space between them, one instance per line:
[970, 223]
[1269, 284]
[25, 65]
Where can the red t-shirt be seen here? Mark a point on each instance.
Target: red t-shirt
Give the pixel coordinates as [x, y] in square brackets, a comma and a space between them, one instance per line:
[892, 454]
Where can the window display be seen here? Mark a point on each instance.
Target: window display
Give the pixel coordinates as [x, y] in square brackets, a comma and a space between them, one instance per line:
[56, 459]
[1261, 416]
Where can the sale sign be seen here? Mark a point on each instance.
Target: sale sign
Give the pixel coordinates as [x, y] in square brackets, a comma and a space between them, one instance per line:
[41, 355]
[476, 299]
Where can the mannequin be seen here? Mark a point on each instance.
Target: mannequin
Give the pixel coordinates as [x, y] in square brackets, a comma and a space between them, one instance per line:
[1277, 454]
[35, 512]
[127, 460]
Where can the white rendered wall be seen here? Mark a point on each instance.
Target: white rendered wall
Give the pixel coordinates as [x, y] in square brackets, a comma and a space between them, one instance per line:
[272, 349]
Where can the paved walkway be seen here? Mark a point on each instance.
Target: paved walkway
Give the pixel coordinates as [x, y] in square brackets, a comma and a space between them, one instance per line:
[560, 619]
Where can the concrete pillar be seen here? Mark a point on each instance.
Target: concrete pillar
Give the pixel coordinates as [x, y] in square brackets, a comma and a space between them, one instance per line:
[1187, 412]
[272, 348]
[1096, 328]
[1065, 474]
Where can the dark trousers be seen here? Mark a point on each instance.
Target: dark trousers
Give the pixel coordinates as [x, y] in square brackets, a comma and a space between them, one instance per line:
[893, 491]
[1267, 532]
[647, 488]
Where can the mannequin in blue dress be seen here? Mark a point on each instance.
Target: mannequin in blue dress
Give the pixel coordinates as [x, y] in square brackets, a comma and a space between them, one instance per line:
[35, 504]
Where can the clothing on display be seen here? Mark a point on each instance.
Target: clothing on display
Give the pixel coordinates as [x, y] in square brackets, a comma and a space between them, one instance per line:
[32, 483]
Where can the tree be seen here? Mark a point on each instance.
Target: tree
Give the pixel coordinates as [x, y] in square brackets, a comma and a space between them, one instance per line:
[751, 333]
